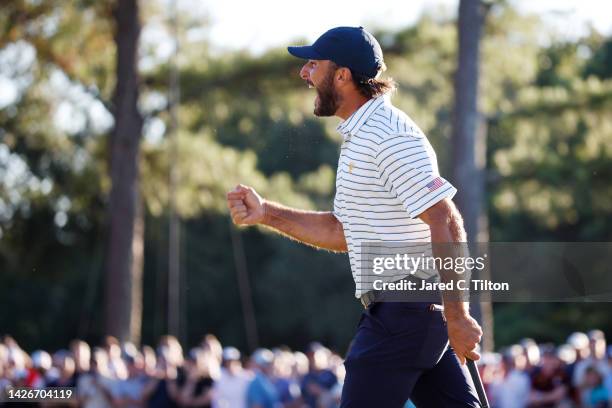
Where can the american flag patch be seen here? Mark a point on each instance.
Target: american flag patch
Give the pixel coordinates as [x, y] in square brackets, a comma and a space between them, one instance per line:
[435, 184]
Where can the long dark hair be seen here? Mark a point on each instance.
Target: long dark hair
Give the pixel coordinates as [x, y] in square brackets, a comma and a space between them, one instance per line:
[372, 87]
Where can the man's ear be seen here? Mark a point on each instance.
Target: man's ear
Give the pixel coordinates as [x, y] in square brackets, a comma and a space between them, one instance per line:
[343, 76]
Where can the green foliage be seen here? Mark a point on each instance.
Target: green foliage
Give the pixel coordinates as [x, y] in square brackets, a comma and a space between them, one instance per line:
[555, 171]
[548, 322]
[246, 119]
[600, 64]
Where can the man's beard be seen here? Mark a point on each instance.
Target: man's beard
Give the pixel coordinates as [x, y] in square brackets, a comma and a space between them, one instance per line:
[328, 97]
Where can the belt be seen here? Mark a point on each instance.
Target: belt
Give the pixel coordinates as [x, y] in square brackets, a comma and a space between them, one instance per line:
[371, 297]
[426, 296]
[368, 298]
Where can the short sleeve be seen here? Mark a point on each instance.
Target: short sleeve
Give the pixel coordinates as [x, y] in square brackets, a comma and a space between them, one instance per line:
[408, 168]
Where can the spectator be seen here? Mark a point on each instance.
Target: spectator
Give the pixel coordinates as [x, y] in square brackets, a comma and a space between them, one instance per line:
[62, 374]
[162, 391]
[130, 392]
[287, 386]
[116, 365]
[532, 354]
[491, 372]
[150, 361]
[170, 349]
[261, 392]
[580, 342]
[549, 382]
[41, 363]
[196, 390]
[231, 388]
[513, 389]
[596, 357]
[608, 378]
[92, 386]
[595, 394]
[319, 379]
[211, 343]
[3, 354]
[63, 368]
[567, 354]
[5, 381]
[521, 378]
[81, 352]
[332, 397]
[300, 365]
[18, 361]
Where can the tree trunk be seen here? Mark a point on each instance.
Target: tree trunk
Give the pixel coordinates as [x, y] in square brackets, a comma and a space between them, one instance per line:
[176, 325]
[123, 265]
[469, 142]
[466, 117]
[137, 269]
[244, 286]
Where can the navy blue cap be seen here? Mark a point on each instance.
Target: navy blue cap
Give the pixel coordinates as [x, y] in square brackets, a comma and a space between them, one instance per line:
[351, 47]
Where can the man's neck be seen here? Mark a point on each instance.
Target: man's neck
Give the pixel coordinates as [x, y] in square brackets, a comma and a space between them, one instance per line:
[350, 105]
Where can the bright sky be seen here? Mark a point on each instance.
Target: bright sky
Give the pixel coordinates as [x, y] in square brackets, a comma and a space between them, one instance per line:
[257, 25]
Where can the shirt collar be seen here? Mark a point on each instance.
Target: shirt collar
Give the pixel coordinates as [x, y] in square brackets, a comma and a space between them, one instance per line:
[353, 123]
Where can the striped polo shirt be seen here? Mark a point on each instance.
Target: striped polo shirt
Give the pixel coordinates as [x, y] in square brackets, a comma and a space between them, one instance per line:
[387, 176]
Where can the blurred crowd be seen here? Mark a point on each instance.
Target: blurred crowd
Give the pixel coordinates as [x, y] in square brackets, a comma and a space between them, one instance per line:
[123, 375]
[575, 374]
[114, 374]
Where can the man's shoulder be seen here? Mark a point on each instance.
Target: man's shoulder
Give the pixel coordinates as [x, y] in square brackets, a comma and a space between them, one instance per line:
[389, 121]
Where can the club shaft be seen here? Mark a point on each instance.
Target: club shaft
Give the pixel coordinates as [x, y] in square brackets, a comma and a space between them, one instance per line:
[484, 402]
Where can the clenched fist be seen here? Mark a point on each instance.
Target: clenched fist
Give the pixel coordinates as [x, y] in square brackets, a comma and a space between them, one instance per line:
[245, 205]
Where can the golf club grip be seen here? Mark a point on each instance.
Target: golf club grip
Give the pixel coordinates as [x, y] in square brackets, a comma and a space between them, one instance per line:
[484, 402]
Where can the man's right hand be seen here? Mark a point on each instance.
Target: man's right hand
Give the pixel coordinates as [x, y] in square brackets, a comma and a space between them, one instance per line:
[245, 205]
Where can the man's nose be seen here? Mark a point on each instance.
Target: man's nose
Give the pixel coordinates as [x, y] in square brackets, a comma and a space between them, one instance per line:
[304, 72]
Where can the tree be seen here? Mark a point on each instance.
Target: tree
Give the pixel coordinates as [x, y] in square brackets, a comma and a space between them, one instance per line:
[469, 140]
[123, 301]
[249, 119]
[466, 161]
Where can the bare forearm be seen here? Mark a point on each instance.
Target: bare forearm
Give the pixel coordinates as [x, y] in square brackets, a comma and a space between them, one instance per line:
[449, 241]
[315, 228]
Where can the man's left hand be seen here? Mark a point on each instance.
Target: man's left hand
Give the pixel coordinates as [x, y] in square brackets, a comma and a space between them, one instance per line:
[464, 335]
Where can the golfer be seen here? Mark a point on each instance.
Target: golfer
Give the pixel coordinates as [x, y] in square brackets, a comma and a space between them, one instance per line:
[388, 188]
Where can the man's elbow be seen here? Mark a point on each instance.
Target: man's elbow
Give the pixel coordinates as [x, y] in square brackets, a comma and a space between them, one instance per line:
[440, 214]
[443, 218]
[337, 243]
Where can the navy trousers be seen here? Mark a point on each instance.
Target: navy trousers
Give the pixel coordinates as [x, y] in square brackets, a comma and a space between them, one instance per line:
[401, 352]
